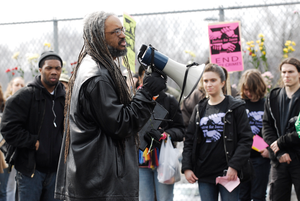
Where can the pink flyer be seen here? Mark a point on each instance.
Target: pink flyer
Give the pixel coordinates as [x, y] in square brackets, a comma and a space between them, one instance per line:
[225, 45]
[258, 143]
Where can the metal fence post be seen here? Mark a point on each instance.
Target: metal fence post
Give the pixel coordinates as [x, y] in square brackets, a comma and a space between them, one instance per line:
[221, 14]
[55, 35]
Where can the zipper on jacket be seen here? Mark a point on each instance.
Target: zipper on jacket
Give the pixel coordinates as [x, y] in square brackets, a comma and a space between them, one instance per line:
[53, 103]
[197, 125]
[196, 138]
[34, 167]
[224, 137]
[51, 143]
[271, 113]
[197, 117]
[32, 175]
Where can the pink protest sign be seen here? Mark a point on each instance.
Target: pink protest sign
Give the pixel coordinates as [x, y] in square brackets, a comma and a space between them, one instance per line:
[225, 45]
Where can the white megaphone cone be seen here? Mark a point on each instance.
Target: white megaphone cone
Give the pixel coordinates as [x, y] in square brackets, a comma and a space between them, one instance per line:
[173, 69]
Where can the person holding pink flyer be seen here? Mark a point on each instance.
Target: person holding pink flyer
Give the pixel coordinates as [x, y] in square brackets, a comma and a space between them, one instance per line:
[218, 139]
[252, 90]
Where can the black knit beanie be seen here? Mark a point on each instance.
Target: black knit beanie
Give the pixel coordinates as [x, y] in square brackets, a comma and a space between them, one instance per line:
[44, 55]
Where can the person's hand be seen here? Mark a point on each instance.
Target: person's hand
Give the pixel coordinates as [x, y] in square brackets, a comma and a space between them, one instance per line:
[156, 135]
[217, 47]
[217, 118]
[213, 135]
[153, 133]
[190, 176]
[265, 153]
[231, 174]
[229, 32]
[37, 145]
[254, 129]
[154, 83]
[229, 47]
[285, 158]
[215, 35]
[274, 147]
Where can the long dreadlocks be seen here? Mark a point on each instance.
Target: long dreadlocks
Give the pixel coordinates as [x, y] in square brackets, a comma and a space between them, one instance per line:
[95, 45]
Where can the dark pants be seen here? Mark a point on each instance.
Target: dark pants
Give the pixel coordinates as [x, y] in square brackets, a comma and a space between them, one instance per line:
[256, 189]
[282, 178]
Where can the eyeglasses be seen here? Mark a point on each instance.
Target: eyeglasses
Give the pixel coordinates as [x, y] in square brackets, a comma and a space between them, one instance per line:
[118, 31]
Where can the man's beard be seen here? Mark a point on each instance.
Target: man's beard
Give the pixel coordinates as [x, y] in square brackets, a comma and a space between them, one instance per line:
[115, 52]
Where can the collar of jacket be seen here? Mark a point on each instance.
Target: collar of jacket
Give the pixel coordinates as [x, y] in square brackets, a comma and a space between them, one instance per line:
[274, 93]
[273, 96]
[87, 70]
[42, 91]
[232, 102]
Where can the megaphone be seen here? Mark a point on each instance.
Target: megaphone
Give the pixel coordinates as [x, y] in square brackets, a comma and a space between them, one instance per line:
[149, 55]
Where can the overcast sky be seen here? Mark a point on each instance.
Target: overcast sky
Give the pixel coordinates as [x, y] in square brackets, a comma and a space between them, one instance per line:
[32, 10]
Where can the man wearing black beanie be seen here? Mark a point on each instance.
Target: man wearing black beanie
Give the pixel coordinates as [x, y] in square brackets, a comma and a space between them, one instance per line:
[32, 124]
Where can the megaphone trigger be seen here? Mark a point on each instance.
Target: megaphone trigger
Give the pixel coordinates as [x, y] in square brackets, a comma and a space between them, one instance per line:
[163, 75]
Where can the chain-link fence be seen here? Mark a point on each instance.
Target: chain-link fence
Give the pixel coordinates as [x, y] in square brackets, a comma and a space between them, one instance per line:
[172, 33]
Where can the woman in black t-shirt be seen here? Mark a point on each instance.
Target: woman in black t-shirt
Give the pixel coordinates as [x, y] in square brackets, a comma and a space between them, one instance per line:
[218, 139]
[253, 90]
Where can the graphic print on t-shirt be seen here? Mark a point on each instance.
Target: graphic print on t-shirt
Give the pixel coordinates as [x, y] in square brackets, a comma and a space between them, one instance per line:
[255, 120]
[212, 127]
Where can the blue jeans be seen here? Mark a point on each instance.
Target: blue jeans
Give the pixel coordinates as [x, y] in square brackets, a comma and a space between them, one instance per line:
[39, 187]
[148, 182]
[3, 184]
[256, 189]
[210, 192]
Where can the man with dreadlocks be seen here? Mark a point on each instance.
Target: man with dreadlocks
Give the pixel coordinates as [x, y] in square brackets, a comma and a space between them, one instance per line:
[99, 157]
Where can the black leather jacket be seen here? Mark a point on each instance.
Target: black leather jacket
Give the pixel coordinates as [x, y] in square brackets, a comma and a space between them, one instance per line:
[237, 135]
[96, 168]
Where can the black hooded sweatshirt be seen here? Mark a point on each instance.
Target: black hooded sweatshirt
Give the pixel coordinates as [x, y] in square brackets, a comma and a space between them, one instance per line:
[34, 114]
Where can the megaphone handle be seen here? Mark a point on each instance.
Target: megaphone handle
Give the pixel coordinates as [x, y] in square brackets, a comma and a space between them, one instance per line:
[184, 83]
[149, 70]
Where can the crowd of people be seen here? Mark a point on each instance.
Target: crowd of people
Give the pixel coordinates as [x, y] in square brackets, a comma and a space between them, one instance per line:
[78, 138]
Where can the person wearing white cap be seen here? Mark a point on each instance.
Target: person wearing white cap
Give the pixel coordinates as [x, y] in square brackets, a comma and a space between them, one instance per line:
[64, 79]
